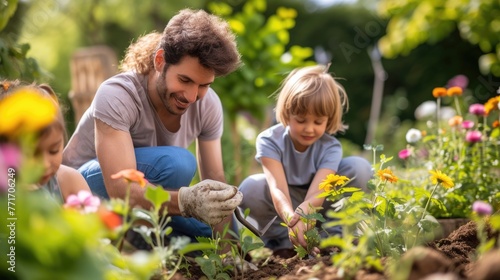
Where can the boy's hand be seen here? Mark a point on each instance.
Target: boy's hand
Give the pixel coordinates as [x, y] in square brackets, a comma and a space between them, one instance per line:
[209, 201]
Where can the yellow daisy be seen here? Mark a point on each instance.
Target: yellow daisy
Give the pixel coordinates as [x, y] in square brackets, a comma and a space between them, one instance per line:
[332, 181]
[387, 175]
[439, 177]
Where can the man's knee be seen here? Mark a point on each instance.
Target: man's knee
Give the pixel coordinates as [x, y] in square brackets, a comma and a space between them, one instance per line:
[170, 167]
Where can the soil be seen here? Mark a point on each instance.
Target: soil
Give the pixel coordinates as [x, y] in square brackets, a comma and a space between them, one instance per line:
[447, 258]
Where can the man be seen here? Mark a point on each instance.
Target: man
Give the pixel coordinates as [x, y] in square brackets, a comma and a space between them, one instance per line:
[145, 117]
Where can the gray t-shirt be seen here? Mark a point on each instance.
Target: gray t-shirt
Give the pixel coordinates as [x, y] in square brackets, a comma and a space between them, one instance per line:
[123, 103]
[300, 167]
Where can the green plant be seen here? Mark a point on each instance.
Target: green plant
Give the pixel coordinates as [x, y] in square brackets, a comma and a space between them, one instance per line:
[156, 232]
[216, 264]
[384, 223]
[465, 146]
[311, 235]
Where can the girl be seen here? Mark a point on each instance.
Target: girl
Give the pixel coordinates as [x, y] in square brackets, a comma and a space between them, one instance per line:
[297, 154]
[58, 180]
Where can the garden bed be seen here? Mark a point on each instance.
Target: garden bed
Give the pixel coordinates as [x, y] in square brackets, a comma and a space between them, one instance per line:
[453, 255]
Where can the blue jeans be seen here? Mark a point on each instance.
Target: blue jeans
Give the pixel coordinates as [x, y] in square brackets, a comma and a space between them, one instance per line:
[168, 166]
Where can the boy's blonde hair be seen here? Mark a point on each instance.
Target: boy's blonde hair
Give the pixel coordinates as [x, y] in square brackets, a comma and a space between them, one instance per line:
[312, 90]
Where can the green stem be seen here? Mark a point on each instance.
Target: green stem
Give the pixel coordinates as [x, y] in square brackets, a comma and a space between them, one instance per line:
[126, 223]
[457, 104]
[423, 214]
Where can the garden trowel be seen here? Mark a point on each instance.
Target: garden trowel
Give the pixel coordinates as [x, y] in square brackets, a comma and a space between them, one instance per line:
[248, 225]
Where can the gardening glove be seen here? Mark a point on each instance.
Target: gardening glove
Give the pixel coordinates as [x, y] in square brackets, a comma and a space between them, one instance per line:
[209, 201]
[339, 204]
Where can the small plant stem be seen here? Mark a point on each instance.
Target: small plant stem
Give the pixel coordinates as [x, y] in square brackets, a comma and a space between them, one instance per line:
[423, 213]
[126, 224]
[438, 108]
[457, 104]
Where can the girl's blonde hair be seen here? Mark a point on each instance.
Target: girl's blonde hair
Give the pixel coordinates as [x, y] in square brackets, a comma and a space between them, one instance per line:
[312, 90]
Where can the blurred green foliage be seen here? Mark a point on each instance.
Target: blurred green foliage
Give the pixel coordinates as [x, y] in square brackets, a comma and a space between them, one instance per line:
[412, 23]
[343, 34]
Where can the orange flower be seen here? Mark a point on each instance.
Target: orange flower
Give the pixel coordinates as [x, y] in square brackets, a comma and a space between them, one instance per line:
[110, 219]
[439, 92]
[455, 121]
[131, 175]
[491, 104]
[387, 175]
[496, 124]
[454, 91]
[424, 133]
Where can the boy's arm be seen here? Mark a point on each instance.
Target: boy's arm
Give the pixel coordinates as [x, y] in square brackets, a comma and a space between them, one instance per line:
[278, 186]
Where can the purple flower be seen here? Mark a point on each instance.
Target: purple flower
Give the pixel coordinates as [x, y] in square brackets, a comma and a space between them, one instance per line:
[473, 136]
[83, 200]
[467, 124]
[477, 109]
[458, 81]
[10, 157]
[404, 154]
[482, 208]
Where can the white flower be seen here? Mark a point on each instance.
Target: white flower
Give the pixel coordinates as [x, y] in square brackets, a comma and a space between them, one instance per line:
[447, 113]
[413, 135]
[426, 110]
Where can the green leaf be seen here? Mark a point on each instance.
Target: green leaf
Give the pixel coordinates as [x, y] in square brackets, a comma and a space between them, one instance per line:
[191, 247]
[157, 196]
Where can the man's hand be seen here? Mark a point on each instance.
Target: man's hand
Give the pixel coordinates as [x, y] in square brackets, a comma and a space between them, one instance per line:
[209, 201]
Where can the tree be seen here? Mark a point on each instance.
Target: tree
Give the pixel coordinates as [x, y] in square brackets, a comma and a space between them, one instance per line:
[14, 60]
[412, 23]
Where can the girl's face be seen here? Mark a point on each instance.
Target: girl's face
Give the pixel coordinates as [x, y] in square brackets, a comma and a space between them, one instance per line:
[306, 129]
[50, 151]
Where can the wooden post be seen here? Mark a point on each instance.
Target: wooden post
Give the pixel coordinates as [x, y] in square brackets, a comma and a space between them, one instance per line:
[89, 68]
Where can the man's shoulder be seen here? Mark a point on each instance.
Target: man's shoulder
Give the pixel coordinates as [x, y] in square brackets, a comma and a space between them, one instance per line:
[127, 79]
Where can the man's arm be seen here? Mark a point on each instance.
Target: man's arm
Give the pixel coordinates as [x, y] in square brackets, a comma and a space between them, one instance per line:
[209, 156]
[115, 152]
[210, 166]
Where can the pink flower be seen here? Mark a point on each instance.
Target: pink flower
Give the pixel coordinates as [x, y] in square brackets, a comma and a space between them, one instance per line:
[482, 208]
[467, 124]
[404, 154]
[473, 136]
[458, 81]
[10, 157]
[477, 109]
[83, 200]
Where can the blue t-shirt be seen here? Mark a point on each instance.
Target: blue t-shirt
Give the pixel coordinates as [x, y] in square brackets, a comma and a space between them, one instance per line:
[300, 167]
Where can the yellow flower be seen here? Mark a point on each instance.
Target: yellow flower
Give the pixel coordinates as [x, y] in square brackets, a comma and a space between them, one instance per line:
[439, 92]
[131, 175]
[332, 181]
[439, 177]
[454, 91]
[387, 175]
[25, 111]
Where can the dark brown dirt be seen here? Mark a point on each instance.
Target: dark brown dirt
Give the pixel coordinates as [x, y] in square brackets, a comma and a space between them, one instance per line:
[452, 257]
